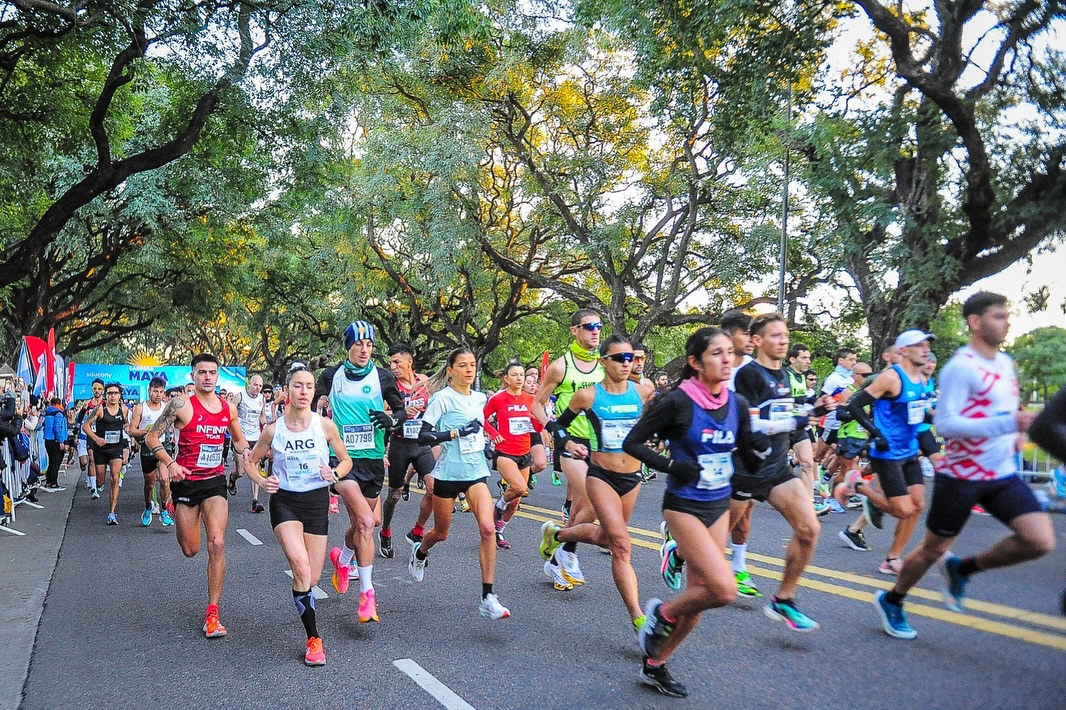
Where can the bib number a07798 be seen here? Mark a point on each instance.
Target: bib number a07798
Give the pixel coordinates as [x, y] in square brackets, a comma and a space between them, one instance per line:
[358, 437]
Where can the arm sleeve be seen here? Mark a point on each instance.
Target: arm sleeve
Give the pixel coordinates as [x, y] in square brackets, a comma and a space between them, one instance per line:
[323, 384]
[429, 437]
[390, 392]
[659, 418]
[751, 448]
[1048, 430]
[856, 406]
[955, 389]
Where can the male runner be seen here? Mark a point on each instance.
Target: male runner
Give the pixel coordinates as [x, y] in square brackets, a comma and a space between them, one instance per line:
[85, 453]
[250, 406]
[404, 450]
[640, 359]
[799, 361]
[145, 414]
[358, 392]
[977, 413]
[196, 475]
[578, 368]
[834, 385]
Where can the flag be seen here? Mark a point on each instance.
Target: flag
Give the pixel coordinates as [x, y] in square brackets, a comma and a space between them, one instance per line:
[68, 393]
[50, 362]
[25, 366]
[545, 360]
[34, 349]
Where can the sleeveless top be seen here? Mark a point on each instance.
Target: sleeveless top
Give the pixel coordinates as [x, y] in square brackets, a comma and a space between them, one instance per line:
[108, 426]
[352, 401]
[413, 396]
[710, 443]
[299, 456]
[248, 412]
[200, 446]
[148, 418]
[898, 419]
[574, 380]
[612, 416]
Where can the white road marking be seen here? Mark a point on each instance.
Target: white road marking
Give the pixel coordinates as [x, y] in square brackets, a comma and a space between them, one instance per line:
[431, 685]
[249, 536]
[315, 591]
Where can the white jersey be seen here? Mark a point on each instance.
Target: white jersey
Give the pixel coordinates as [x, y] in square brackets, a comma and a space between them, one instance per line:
[248, 411]
[299, 456]
[733, 375]
[975, 414]
[834, 386]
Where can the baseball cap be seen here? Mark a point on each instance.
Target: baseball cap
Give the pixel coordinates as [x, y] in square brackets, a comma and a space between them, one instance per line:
[913, 337]
[358, 330]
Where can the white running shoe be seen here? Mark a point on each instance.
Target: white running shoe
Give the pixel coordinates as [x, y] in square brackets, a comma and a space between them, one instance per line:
[492, 609]
[569, 566]
[558, 580]
[415, 566]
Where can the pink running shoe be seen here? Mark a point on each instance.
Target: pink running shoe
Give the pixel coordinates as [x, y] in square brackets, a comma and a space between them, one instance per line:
[847, 489]
[368, 607]
[340, 572]
[316, 655]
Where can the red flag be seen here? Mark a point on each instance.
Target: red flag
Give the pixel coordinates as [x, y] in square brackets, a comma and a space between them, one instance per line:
[36, 346]
[545, 360]
[50, 362]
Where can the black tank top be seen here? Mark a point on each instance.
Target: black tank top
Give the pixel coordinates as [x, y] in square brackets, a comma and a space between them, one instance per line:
[108, 426]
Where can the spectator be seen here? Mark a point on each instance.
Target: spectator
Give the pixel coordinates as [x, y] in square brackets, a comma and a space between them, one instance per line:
[55, 437]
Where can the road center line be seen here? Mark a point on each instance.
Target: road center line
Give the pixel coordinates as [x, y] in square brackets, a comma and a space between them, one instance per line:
[249, 536]
[431, 685]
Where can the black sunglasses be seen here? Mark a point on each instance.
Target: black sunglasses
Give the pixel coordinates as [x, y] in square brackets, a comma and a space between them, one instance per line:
[620, 357]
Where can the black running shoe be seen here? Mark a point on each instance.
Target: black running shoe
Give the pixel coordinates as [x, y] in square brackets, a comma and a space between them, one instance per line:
[405, 493]
[386, 545]
[232, 485]
[413, 539]
[659, 678]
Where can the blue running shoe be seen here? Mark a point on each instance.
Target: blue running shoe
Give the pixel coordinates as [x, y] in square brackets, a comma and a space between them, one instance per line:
[893, 620]
[671, 565]
[954, 591]
[146, 517]
[788, 613]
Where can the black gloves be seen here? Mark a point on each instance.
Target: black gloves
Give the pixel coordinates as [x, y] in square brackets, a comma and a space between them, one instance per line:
[382, 421]
[472, 427]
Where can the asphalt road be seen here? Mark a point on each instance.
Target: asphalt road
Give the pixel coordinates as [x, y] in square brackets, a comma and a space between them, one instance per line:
[122, 617]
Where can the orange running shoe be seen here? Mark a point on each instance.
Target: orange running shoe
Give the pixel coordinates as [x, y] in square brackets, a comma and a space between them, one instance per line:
[340, 572]
[213, 628]
[315, 655]
[368, 607]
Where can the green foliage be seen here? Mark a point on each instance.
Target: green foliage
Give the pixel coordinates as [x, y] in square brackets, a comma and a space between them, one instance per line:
[1039, 357]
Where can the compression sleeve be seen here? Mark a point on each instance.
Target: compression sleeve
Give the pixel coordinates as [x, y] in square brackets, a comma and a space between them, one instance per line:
[659, 417]
[857, 408]
[390, 393]
[1049, 428]
[955, 390]
[428, 436]
[566, 418]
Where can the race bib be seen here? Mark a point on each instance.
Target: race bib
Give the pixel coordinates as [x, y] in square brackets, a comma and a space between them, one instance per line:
[615, 432]
[111, 437]
[780, 410]
[715, 470]
[210, 456]
[301, 466]
[916, 412]
[411, 427]
[358, 437]
[520, 425]
[472, 443]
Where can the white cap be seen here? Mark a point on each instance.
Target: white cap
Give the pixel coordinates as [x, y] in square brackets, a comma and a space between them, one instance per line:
[913, 337]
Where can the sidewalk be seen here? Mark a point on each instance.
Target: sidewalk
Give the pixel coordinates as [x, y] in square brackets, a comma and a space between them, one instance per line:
[26, 567]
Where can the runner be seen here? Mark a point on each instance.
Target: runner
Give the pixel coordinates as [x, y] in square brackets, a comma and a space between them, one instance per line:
[404, 450]
[705, 425]
[510, 426]
[104, 427]
[1048, 431]
[640, 360]
[578, 368]
[802, 440]
[358, 392]
[978, 415]
[898, 406]
[612, 406]
[250, 407]
[145, 414]
[834, 385]
[300, 444]
[197, 477]
[766, 387]
[454, 419]
[85, 452]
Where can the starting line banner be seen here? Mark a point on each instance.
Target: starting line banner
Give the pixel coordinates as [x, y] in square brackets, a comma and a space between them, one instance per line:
[134, 379]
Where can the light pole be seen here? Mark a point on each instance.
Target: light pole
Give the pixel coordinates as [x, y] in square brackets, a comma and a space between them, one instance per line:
[784, 208]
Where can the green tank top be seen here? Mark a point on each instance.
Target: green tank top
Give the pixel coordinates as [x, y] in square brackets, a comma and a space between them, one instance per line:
[852, 429]
[574, 380]
[797, 383]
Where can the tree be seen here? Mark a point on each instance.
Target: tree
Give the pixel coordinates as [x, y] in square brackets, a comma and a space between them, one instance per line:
[1041, 365]
[942, 162]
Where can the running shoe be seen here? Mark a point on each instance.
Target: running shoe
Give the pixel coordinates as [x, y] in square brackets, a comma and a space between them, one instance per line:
[155, 508]
[847, 489]
[532, 481]
[824, 490]
[893, 619]
[368, 606]
[978, 510]
[213, 628]
[664, 532]
[257, 507]
[548, 543]
[822, 508]
[112, 519]
[891, 566]
[556, 481]
[386, 544]
[855, 502]
[340, 572]
[492, 609]
[334, 505]
[353, 572]
[501, 542]
[855, 540]
[788, 613]
[874, 515]
[412, 538]
[671, 565]
[464, 504]
[564, 511]
[835, 507]
[638, 623]
[415, 566]
[232, 485]
[656, 628]
[405, 492]
[746, 586]
[558, 580]
[570, 567]
[954, 591]
[165, 518]
[146, 517]
[169, 507]
[659, 678]
[95, 494]
[315, 655]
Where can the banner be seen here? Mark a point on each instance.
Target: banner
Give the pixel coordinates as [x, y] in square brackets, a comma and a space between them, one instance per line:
[134, 380]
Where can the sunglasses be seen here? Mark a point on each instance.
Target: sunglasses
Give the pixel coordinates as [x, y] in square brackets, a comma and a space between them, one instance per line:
[98, 389]
[591, 327]
[620, 357]
[640, 358]
[113, 392]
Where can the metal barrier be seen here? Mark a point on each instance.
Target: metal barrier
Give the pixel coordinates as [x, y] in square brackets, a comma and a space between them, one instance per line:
[15, 477]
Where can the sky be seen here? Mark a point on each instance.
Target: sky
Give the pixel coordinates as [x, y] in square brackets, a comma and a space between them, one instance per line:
[1017, 280]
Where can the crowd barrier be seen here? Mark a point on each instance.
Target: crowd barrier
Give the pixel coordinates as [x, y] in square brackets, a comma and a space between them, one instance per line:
[16, 476]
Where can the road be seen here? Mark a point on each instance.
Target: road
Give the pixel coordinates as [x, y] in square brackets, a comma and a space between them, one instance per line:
[122, 616]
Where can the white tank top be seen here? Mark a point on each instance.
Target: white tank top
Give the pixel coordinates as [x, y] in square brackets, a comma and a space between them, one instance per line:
[150, 416]
[248, 412]
[299, 456]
